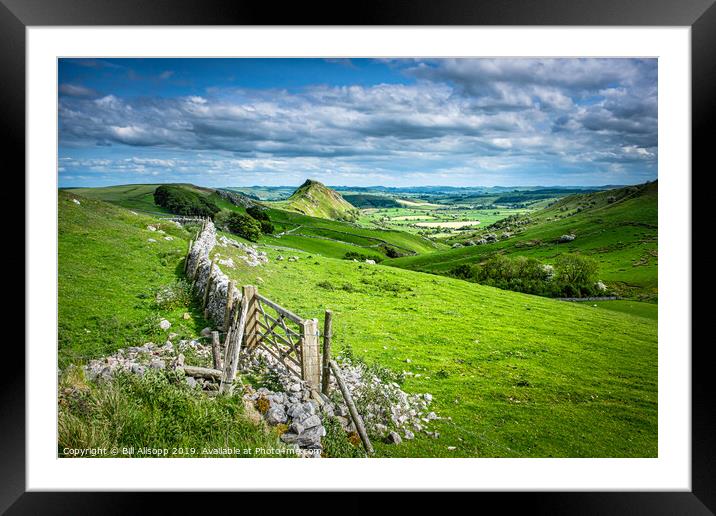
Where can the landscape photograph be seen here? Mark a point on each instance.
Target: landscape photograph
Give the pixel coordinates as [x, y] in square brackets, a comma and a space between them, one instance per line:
[357, 258]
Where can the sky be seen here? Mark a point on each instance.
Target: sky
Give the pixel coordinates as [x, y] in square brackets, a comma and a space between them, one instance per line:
[357, 122]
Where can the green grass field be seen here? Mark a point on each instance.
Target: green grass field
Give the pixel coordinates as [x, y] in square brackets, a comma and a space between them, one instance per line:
[107, 276]
[518, 375]
[108, 272]
[647, 310]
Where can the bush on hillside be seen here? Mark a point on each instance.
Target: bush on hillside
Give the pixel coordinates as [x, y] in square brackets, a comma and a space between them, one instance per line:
[244, 226]
[391, 252]
[257, 212]
[355, 255]
[571, 276]
[221, 220]
[181, 201]
[576, 275]
[266, 227]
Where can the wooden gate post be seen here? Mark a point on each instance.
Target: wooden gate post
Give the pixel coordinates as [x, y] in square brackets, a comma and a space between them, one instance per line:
[233, 349]
[310, 356]
[327, 336]
[229, 303]
[208, 285]
[250, 292]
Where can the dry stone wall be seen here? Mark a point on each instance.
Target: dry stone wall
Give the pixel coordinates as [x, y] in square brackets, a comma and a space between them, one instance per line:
[198, 260]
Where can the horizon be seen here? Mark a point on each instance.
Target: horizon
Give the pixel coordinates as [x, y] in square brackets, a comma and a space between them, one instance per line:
[369, 187]
[405, 123]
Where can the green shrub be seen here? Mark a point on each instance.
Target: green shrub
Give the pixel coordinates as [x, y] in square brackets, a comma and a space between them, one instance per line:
[576, 275]
[571, 276]
[244, 226]
[355, 255]
[392, 252]
[257, 213]
[181, 201]
[336, 442]
[267, 228]
[325, 284]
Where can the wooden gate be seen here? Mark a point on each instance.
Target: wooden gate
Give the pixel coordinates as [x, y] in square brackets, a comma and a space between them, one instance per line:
[288, 338]
[258, 322]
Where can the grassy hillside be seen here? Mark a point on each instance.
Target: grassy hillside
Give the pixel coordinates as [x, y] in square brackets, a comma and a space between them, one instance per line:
[293, 230]
[108, 274]
[315, 199]
[133, 197]
[618, 228]
[512, 375]
[334, 238]
[517, 375]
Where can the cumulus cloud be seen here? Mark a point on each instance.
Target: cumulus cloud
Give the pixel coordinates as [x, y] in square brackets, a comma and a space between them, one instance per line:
[457, 115]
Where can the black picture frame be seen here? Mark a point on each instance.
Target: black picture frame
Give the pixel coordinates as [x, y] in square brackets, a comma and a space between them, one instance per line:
[700, 15]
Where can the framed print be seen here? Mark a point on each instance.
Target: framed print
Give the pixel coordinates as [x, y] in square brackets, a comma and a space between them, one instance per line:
[417, 249]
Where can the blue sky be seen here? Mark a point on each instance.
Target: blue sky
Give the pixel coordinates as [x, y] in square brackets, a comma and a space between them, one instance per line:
[360, 122]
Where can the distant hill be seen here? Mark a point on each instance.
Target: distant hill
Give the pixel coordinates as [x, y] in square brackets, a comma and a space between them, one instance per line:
[317, 200]
[360, 200]
[618, 228]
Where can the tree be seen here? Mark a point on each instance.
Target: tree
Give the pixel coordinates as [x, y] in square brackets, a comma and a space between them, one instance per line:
[257, 212]
[181, 201]
[244, 226]
[266, 227]
[576, 274]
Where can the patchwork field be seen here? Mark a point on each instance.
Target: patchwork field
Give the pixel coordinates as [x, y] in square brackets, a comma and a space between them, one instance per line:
[435, 222]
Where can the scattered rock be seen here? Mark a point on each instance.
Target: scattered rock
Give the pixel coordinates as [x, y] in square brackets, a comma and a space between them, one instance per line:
[164, 324]
[394, 438]
[186, 316]
[206, 332]
[151, 228]
[311, 421]
[150, 240]
[276, 415]
[76, 202]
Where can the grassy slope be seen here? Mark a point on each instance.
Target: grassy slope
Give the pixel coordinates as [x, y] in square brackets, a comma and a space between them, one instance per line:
[312, 227]
[138, 197]
[519, 375]
[648, 310]
[531, 376]
[318, 235]
[107, 275]
[621, 236]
